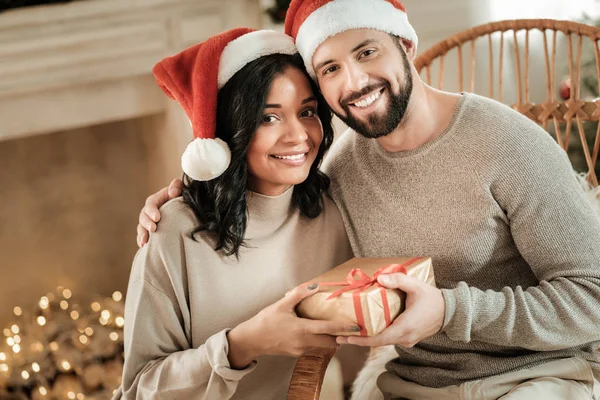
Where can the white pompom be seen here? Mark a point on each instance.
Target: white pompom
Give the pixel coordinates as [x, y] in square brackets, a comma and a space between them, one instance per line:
[205, 159]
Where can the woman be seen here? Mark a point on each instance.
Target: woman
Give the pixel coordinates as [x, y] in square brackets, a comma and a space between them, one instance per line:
[207, 314]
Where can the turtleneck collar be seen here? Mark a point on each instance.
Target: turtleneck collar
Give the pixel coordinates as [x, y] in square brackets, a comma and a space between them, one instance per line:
[266, 214]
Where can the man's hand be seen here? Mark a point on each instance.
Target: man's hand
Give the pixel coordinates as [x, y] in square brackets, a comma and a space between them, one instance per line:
[422, 318]
[149, 216]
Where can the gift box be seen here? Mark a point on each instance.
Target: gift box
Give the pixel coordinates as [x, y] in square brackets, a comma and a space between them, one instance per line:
[350, 293]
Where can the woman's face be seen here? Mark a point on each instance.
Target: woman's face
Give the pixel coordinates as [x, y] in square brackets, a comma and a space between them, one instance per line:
[287, 141]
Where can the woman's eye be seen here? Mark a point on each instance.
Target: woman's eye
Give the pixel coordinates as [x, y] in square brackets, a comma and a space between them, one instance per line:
[308, 113]
[267, 119]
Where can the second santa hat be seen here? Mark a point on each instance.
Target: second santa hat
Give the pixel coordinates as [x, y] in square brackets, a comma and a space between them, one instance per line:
[194, 77]
[311, 22]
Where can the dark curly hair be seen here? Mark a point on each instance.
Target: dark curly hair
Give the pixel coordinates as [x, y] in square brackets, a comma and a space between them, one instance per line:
[220, 204]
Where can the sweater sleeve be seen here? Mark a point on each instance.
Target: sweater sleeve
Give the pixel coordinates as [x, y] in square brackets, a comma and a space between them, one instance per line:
[557, 233]
[160, 361]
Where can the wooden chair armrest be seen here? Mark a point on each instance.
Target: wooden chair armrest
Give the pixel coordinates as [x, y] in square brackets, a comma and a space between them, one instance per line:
[308, 375]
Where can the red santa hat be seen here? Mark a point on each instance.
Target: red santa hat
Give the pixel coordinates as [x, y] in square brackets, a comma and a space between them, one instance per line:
[311, 22]
[194, 78]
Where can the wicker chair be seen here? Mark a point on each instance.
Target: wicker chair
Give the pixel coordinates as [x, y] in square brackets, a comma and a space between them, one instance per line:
[310, 369]
[563, 113]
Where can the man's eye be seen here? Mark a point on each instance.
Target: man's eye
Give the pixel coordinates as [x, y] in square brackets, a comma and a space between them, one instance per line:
[330, 70]
[367, 53]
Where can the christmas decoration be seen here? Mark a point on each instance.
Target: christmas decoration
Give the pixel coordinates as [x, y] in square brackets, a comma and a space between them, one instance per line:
[565, 89]
[63, 349]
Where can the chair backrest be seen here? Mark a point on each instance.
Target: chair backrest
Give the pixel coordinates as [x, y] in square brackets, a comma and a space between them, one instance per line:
[511, 39]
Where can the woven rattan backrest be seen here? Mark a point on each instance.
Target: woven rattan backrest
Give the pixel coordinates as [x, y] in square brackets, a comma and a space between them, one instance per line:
[568, 120]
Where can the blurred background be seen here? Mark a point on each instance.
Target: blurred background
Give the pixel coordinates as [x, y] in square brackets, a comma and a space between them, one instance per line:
[86, 135]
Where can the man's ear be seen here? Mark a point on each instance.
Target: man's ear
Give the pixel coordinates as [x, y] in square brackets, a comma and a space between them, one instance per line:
[409, 48]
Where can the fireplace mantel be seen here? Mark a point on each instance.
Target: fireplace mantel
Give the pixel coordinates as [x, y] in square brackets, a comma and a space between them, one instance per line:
[89, 62]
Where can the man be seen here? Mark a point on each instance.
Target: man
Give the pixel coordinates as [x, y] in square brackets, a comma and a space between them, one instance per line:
[471, 183]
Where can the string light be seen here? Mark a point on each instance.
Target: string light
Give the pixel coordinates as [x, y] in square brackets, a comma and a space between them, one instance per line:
[117, 296]
[37, 347]
[44, 303]
[28, 336]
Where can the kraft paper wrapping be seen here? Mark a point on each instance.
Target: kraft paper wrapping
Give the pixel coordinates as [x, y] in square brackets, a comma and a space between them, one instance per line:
[367, 299]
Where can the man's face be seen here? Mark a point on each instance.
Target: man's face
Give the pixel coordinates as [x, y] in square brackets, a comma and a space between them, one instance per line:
[365, 76]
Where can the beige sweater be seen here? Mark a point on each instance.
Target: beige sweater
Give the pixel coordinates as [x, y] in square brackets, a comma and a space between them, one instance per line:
[183, 297]
[515, 244]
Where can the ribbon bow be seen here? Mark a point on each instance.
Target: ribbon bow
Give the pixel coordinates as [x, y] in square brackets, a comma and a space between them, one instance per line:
[358, 281]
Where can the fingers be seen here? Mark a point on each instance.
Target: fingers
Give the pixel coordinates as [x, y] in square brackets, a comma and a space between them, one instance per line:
[341, 340]
[400, 281]
[175, 188]
[146, 223]
[296, 295]
[382, 339]
[154, 202]
[401, 332]
[142, 236]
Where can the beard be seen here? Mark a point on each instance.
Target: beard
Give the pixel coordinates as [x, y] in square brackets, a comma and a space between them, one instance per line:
[378, 125]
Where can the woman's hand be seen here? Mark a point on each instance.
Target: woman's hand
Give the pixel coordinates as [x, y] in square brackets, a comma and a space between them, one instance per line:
[277, 330]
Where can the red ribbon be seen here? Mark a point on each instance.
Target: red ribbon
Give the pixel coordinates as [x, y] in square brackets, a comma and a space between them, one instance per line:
[359, 281]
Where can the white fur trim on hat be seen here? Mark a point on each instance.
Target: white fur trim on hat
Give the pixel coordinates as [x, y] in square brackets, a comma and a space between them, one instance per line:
[205, 159]
[341, 15]
[250, 47]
